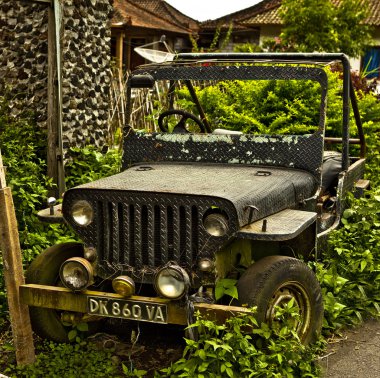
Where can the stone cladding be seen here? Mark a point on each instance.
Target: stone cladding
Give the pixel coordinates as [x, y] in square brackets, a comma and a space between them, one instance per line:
[85, 56]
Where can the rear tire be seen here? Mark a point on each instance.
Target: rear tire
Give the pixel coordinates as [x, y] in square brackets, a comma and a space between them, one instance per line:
[44, 270]
[273, 281]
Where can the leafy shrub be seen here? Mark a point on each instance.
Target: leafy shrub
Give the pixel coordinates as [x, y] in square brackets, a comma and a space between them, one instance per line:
[269, 107]
[68, 360]
[351, 277]
[23, 152]
[89, 164]
[239, 347]
[24, 155]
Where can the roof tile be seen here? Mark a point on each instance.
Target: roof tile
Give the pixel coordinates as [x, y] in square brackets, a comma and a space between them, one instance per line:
[267, 12]
[152, 14]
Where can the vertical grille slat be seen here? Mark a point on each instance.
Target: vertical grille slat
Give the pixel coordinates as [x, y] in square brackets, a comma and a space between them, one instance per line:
[195, 231]
[131, 236]
[164, 234]
[150, 235]
[114, 239]
[137, 233]
[144, 235]
[126, 251]
[170, 232]
[189, 230]
[176, 234]
[157, 236]
[121, 228]
[182, 234]
[107, 230]
[100, 229]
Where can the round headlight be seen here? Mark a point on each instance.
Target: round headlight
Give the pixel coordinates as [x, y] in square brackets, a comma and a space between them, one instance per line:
[172, 282]
[124, 286]
[82, 213]
[216, 224]
[76, 273]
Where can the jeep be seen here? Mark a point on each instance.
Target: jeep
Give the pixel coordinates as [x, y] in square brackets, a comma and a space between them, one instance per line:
[204, 198]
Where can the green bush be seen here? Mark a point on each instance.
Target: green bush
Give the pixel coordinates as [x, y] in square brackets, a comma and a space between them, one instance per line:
[240, 348]
[23, 152]
[23, 147]
[269, 106]
[89, 164]
[351, 273]
[68, 360]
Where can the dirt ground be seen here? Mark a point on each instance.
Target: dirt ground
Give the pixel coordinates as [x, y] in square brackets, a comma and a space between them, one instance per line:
[145, 346]
[355, 354]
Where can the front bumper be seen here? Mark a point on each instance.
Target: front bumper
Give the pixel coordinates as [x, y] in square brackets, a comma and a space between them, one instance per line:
[63, 299]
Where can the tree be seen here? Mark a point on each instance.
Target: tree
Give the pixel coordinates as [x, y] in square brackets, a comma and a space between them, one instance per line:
[324, 25]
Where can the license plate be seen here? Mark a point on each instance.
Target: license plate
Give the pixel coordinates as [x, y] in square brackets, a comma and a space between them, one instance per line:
[124, 309]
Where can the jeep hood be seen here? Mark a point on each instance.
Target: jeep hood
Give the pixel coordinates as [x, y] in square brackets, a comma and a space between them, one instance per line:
[255, 192]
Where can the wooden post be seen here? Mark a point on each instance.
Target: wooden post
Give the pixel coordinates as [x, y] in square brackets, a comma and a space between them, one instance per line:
[13, 275]
[120, 52]
[55, 168]
[52, 120]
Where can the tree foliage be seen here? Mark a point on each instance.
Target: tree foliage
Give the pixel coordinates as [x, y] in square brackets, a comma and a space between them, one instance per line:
[323, 25]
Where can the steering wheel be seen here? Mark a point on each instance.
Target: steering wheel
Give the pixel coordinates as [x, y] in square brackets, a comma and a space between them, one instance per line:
[180, 127]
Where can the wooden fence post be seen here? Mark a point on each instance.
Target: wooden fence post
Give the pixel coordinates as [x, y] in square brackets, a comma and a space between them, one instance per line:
[13, 275]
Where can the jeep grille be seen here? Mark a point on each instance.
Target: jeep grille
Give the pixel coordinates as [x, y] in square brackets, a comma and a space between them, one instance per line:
[147, 235]
[137, 232]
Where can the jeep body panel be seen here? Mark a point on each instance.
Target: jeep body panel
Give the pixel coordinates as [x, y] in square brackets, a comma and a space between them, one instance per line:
[208, 206]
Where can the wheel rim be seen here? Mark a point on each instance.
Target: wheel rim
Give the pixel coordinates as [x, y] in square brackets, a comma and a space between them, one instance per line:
[281, 297]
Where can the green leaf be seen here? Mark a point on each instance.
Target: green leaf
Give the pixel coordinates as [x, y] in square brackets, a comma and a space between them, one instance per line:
[202, 354]
[229, 372]
[72, 334]
[348, 213]
[219, 292]
[83, 327]
[363, 264]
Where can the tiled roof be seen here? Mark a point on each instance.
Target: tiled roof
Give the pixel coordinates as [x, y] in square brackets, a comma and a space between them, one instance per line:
[167, 12]
[267, 12]
[240, 18]
[152, 14]
[374, 13]
[269, 16]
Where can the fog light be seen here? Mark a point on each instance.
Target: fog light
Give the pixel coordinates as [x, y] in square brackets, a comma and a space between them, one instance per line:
[124, 286]
[76, 273]
[172, 282]
[216, 224]
[206, 265]
[90, 254]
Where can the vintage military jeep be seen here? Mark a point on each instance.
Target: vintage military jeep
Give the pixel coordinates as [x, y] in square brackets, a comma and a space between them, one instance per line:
[198, 203]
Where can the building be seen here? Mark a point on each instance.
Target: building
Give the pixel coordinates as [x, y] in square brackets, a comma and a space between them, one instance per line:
[262, 21]
[140, 22]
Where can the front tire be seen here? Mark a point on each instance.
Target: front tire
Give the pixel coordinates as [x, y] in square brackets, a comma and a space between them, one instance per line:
[44, 270]
[274, 281]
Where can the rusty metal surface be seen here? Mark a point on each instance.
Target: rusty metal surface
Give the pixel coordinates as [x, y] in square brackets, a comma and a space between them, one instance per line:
[46, 216]
[149, 215]
[301, 151]
[284, 225]
[135, 233]
[236, 72]
[60, 298]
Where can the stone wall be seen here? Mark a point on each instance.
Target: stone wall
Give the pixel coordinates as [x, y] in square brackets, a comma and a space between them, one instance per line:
[85, 54]
[23, 55]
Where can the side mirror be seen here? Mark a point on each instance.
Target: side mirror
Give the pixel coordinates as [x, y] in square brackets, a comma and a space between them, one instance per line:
[141, 81]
